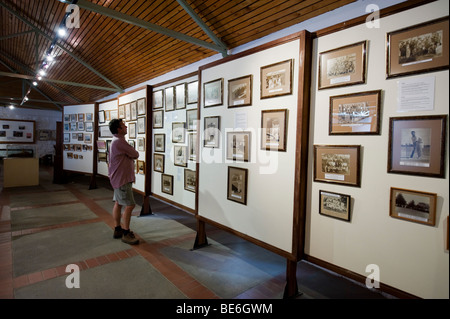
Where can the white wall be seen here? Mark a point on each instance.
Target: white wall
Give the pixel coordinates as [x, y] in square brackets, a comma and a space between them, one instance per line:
[411, 256]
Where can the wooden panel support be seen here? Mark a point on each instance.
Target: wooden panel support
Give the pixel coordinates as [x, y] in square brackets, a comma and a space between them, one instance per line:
[291, 289]
[200, 239]
[146, 207]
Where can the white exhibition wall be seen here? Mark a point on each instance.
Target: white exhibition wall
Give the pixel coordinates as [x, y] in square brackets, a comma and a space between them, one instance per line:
[268, 214]
[411, 256]
[105, 108]
[180, 195]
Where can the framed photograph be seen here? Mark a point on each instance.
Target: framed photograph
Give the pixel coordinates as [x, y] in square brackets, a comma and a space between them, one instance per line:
[169, 98]
[415, 206]
[355, 114]
[80, 126]
[158, 101]
[180, 96]
[133, 108]
[334, 205]
[343, 66]
[158, 119]
[80, 117]
[101, 157]
[276, 79]
[160, 142]
[337, 164]
[140, 167]
[141, 144]
[89, 117]
[103, 131]
[88, 138]
[240, 91]
[180, 157]
[190, 180]
[191, 119]
[108, 115]
[274, 130]
[89, 126]
[101, 144]
[213, 93]
[212, 131]
[128, 112]
[141, 106]
[132, 143]
[192, 146]
[192, 92]
[238, 146]
[178, 133]
[66, 138]
[418, 49]
[417, 145]
[237, 184]
[141, 125]
[132, 130]
[167, 184]
[113, 114]
[121, 111]
[158, 162]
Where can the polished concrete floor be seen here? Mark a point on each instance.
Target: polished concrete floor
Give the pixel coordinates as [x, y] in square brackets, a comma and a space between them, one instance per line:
[47, 231]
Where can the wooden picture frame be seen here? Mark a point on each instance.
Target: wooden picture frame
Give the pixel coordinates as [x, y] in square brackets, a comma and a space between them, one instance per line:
[213, 93]
[158, 162]
[66, 138]
[192, 92]
[121, 111]
[167, 184]
[191, 119]
[141, 106]
[355, 114]
[337, 164]
[343, 66]
[133, 109]
[417, 145]
[238, 146]
[132, 130]
[276, 79]
[128, 112]
[101, 144]
[192, 146]
[178, 132]
[180, 96]
[141, 125]
[334, 205]
[141, 144]
[240, 91]
[169, 98]
[190, 180]
[158, 99]
[140, 167]
[180, 156]
[274, 130]
[420, 48]
[412, 205]
[159, 142]
[237, 184]
[158, 119]
[211, 136]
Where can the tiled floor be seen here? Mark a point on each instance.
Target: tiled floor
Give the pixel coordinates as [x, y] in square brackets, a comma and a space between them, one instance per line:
[40, 236]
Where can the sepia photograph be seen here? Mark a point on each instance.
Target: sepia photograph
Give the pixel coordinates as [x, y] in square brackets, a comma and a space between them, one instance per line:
[167, 184]
[158, 119]
[180, 96]
[334, 205]
[274, 130]
[178, 132]
[191, 119]
[415, 206]
[180, 156]
[190, 180]
[276, 79]
[158, 99]
[141, 125]
[211, 131]
[240, 91]
[213, 93]
[160, 142]
[237, 184]
[238, 146]
[158, 163]
[141, 106]
[192, 92]
[169, 94]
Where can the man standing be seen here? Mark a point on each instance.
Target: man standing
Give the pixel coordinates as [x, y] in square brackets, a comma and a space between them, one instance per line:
[121, 173]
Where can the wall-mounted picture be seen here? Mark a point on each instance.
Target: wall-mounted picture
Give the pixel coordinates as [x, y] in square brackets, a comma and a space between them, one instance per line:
[158, 101]
[276, 79]
[158, 119]
[89, 117]
[192, 92]
[141, 125]
[334, 205]
[240, 91]
[141, 106]
[66, 138]
[213, 93]
[343, 66]
[80, 126]
[211, 131]
[190, 180]
[415, 206]
[178, 132]
[121, 111]
[238, 146]
[103, 131]
[101, 144]
[141, 144]
[354, 114]
[101, 157]
[158, 162]
[128, 112]
[140, 167]
[191, 119]
[160, 142]
[237, 184]
[132, 130]
[180, 96]
[80, 117]
[133, 108]
[337, 164]
[167, 184]
[418, 49]
[192, 146]
[89, 126]
[274, 130]
[113, 114]
[180, 156]
[132, 143]
[169, 100]
[417, 145]
[88, 138]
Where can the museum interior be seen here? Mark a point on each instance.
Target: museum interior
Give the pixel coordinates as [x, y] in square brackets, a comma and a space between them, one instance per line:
[288, 150]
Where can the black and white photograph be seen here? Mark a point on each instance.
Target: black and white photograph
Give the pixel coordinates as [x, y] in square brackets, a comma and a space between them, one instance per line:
[160, 142]
[413, 205]
[190, 180]
[213, 93]
[141, 106]
[169, 100]
[180, 156]
[167, 184]
[178, 132]
[192, 92]
[158, 119]
[211, 131]
[158, 162]
[334, 205]
[240, 91]
[158, 101]
[237, 184]
[238, 146]
[180, 96]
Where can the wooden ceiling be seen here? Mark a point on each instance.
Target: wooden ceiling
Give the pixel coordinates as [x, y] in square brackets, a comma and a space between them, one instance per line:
[122, 43]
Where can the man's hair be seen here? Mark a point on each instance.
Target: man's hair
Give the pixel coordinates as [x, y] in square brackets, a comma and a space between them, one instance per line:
[114, 125]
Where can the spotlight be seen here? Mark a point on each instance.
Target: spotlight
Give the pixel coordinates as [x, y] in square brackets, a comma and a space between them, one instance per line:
[35, 83]
[61, 32]
[42, 72]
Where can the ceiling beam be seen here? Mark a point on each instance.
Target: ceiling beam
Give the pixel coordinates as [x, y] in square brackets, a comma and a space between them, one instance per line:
[13, 12]
[15, 35]
[147, 25]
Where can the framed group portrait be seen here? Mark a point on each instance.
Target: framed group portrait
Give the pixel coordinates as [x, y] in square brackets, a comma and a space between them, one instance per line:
[240, 91]
[276, 79]
[334, 205]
